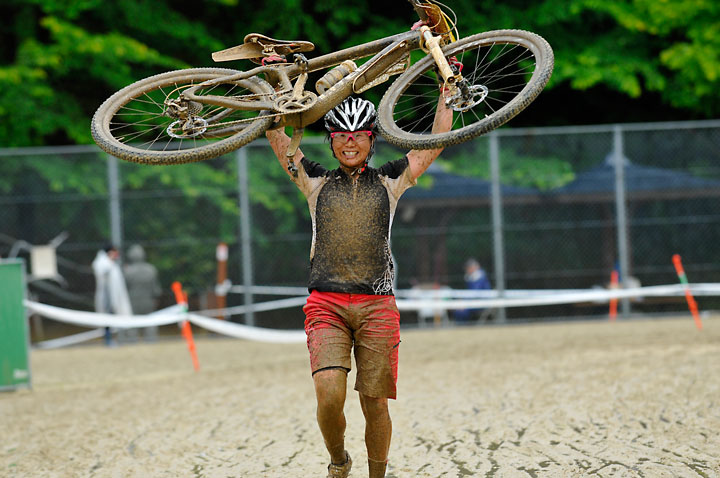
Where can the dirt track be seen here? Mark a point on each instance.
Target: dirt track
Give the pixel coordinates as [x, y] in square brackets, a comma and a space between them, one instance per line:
[635, 399]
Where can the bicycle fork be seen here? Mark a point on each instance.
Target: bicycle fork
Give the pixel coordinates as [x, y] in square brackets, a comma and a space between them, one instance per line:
[298, 93]
[431, 44]
[459, 94]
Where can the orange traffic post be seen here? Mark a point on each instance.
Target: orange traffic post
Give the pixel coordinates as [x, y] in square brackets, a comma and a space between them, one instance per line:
[185, 328]
[614, 279]
[692, 305]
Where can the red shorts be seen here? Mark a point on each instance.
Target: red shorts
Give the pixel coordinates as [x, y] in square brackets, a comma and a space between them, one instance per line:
[335, 323]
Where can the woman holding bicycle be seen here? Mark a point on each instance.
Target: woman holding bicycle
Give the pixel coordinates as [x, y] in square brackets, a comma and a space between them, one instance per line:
[351, 303]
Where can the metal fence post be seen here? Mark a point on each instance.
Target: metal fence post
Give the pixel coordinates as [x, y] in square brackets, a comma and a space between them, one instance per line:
[621, 211]
[497, 221]
[116, 232]
[245, 236]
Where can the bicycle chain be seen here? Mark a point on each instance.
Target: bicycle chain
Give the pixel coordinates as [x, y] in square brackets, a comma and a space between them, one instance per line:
[248, 120]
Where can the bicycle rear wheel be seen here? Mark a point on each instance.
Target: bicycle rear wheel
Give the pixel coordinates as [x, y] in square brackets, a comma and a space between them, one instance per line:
[506, 70]
[140, 123]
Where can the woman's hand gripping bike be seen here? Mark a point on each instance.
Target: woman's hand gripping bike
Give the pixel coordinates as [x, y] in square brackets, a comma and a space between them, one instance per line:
[202, 113]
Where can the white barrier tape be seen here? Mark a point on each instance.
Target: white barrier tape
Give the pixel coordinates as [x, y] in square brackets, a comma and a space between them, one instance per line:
[92, 319]
[269, 290]
[704, 289]
[515, 298]
[599, 296]
[171, 315]
[71, 339]
[417, 299]
[259, 307]
[241, 331]
[92, 334]
[676, 290]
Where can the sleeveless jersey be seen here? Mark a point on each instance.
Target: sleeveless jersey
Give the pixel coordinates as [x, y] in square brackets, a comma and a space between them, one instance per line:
[351, 223]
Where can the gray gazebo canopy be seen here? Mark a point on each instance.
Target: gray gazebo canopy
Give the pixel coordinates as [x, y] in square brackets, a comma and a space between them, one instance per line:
[452, 190]
[641, 183]
[593, 185]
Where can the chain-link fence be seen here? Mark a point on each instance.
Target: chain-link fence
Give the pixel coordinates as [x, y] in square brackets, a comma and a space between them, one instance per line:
[545, 208]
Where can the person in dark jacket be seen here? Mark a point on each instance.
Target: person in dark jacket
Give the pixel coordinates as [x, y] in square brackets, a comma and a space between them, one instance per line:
[143, 286]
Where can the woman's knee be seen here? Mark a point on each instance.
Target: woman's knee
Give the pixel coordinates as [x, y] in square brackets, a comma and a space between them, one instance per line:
[330, 389]
[374, 407]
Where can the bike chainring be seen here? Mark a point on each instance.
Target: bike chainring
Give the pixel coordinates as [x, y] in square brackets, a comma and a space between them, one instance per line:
[287, 104]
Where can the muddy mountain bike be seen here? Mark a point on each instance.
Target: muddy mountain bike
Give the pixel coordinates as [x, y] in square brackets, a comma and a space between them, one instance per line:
[202, 113]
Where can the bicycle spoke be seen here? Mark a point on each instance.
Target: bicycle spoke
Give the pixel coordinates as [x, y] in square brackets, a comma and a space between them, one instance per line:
[408, 112]
[150, 144]
[132, 125]
[134, 112]
[500, 75]
[496, 71]
[160, 106]
[157, 121]
[128, 138]
[145, 121]
[477, 118]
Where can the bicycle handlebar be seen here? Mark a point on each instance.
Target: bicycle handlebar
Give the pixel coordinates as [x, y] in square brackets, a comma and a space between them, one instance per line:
[432, 15]
[419, 10]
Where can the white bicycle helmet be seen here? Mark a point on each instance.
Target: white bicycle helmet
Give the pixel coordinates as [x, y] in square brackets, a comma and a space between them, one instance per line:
[353, 114]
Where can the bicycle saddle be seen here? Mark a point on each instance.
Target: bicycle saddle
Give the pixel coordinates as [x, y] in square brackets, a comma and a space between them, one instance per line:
[257, 46]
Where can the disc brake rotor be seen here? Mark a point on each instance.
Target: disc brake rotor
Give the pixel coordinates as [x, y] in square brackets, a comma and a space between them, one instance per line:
[188, 128]
[469, 98]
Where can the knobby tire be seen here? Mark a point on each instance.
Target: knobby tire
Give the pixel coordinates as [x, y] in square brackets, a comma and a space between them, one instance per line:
[147, 93]
[406, 110]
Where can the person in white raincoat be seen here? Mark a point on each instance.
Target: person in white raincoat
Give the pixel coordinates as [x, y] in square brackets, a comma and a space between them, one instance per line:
[111, 295]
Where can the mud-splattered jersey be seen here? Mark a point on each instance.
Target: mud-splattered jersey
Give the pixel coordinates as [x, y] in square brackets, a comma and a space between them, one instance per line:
[351, 223]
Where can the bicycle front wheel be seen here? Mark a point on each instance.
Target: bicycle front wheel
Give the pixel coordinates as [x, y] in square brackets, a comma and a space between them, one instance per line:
[504, 71]
[149, 121]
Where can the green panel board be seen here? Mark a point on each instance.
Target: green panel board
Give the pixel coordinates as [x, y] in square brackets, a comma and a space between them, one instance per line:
[14, 343]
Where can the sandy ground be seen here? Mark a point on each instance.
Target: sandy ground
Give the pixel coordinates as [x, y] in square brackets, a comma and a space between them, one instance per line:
[590, 399]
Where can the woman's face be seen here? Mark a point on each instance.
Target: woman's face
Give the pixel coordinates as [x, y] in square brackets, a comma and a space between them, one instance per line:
[352, 148]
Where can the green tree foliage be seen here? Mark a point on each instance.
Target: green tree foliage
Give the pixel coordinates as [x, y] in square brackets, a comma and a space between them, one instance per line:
[668, 47]
[541, 173]
[60, 58]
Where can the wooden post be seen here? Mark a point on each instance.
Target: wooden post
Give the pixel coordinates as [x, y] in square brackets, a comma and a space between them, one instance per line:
[221, 254]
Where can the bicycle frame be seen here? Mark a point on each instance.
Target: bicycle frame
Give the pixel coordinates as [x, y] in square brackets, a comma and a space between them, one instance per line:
[385, 52]
[389, 55]
[235, 107]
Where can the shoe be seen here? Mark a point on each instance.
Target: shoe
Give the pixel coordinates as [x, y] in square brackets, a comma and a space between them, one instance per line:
[340, 471]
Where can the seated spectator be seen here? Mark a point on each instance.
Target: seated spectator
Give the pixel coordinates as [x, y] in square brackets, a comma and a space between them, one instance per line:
[475, 279]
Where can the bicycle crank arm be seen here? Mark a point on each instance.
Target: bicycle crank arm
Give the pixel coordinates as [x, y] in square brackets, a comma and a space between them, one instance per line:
[292, 149]
[299, 87]
[297, 135]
